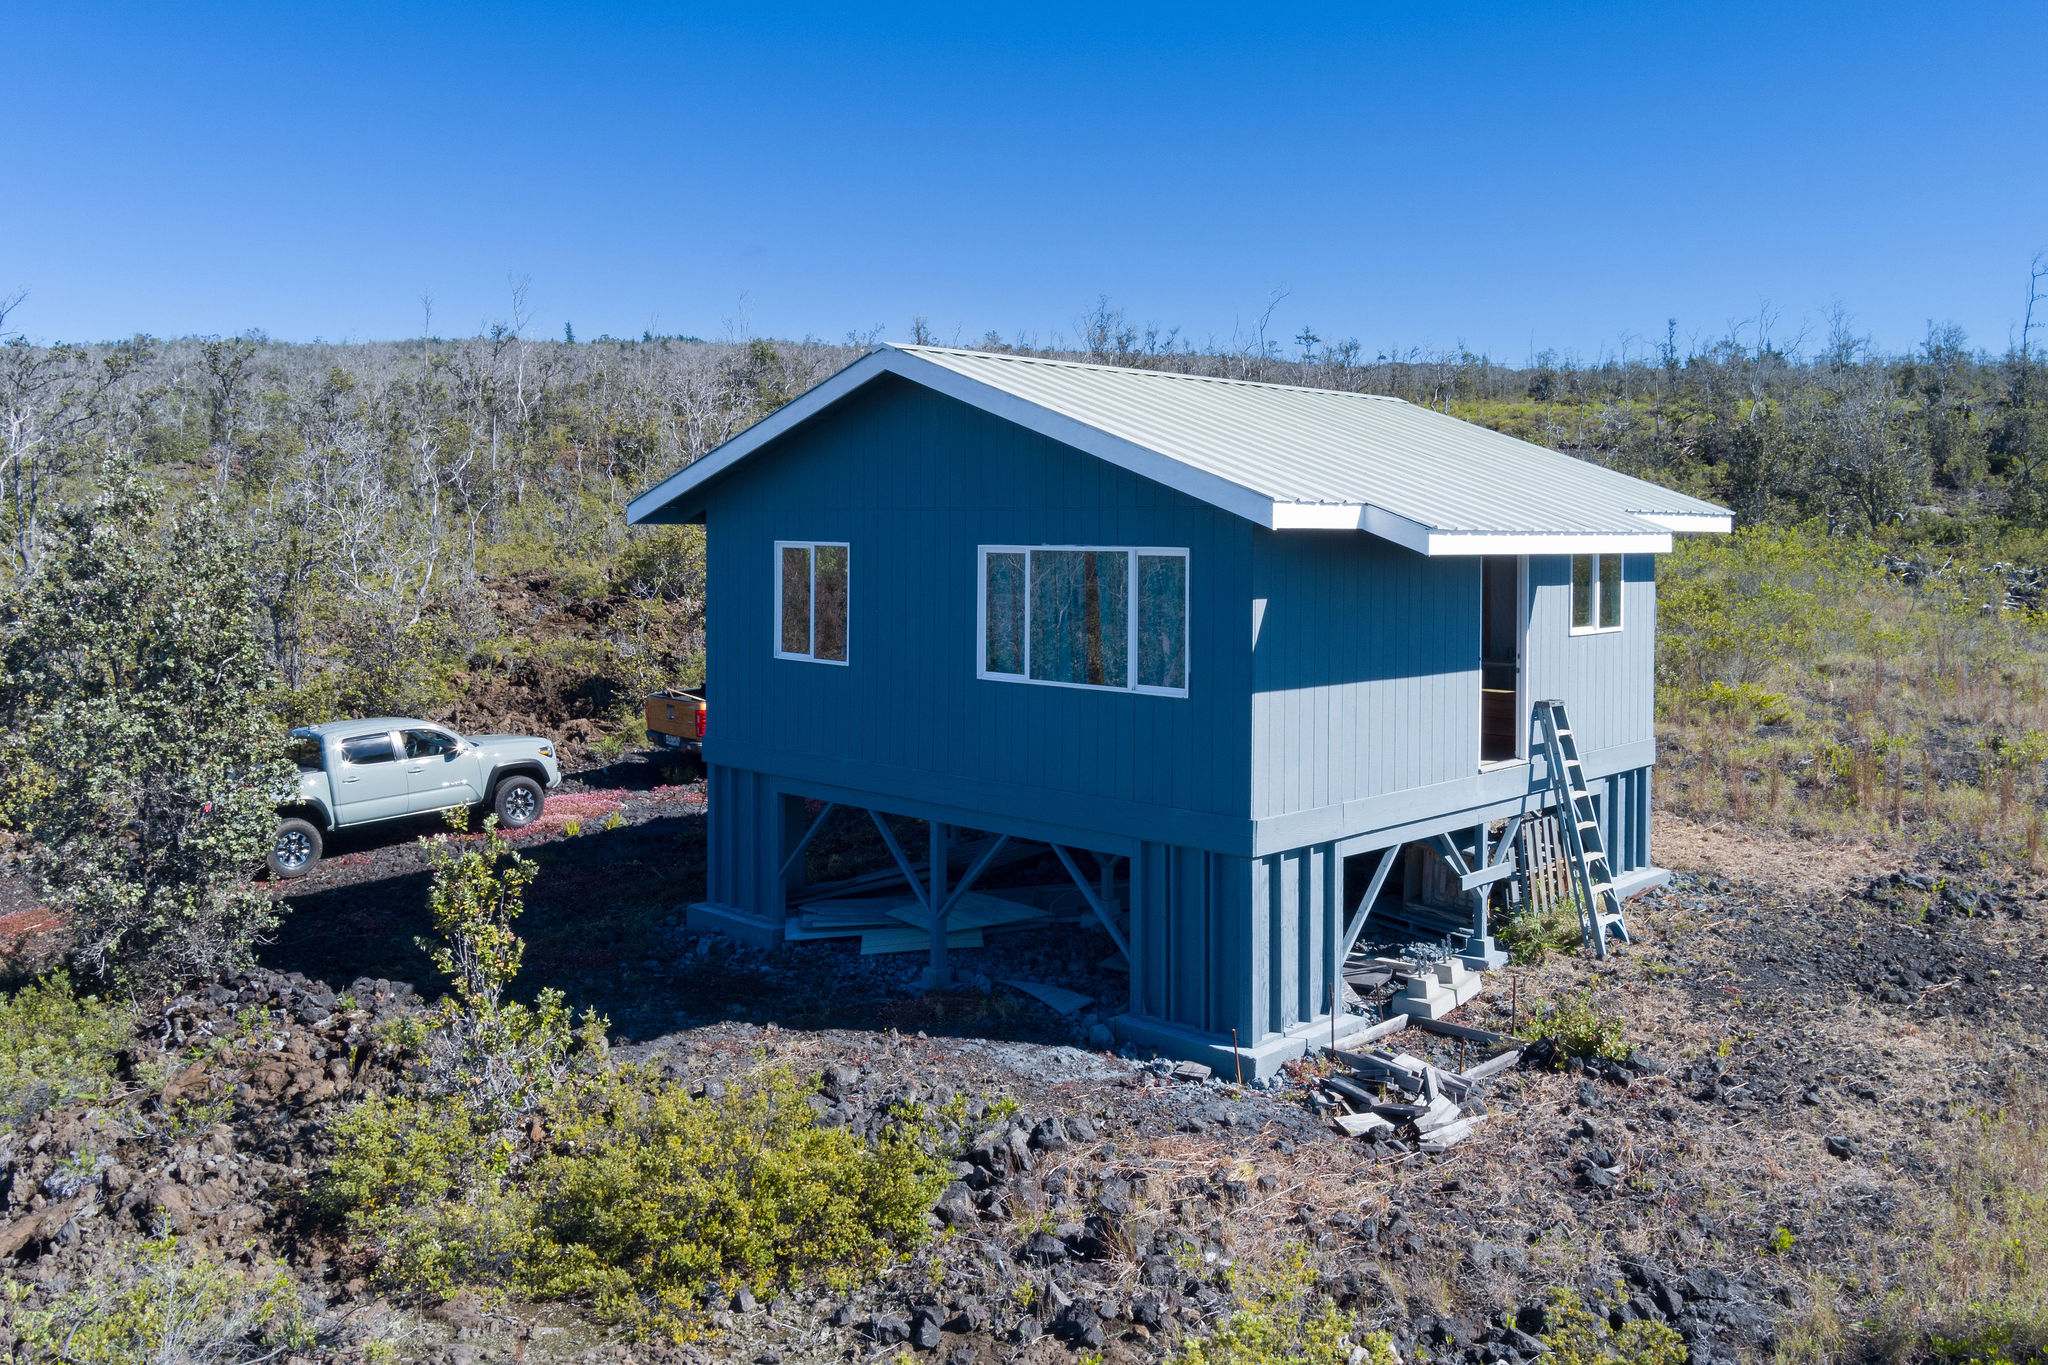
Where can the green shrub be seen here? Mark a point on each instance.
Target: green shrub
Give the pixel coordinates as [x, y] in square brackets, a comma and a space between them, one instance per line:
[1579, 1029]
[1743, 702]
[643, 1198]
[55, 1047]
[1278, 1323]
[423, 1182]
[169, 1307]
[1734, 608]
[649, 1196]
[1530, 936]
[499, 1058]
[1577, 1336]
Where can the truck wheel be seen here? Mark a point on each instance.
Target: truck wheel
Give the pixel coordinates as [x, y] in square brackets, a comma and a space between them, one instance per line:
[295, 849]
[518, 802]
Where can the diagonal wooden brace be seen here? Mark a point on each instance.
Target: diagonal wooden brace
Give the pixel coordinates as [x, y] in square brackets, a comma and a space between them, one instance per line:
[1088, 893]
[805, 842]
[910, 873]
[1364, 908]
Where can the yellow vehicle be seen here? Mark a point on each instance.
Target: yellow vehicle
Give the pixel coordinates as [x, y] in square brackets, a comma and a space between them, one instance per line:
[678, 717]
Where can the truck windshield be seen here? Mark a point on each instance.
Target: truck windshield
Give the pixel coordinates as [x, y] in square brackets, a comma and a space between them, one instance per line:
[303, 750]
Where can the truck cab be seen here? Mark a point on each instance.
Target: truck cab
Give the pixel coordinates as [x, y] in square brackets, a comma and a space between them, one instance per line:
[361, 772]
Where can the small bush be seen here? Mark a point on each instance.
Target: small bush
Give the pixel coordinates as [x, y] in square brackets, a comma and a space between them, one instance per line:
[170, 1308]
[423, 1182]
[1530, 937]
[1744, 702]
[1578, 1029]
[643, 1198]
[1278, 1323]
[55, 1047]
[649, 1196]
[499, 1058]
[1579, 1337]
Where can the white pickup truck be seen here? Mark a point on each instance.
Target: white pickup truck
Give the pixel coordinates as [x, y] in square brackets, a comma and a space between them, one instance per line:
[358, 772]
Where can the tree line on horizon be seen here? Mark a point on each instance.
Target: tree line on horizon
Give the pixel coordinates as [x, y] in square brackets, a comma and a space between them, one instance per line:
[379, 486]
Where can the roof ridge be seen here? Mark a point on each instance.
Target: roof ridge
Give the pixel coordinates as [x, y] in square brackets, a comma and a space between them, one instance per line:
[1062, 363]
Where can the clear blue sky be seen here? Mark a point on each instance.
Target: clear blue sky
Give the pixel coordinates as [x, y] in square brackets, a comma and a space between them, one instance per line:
[1508, 176]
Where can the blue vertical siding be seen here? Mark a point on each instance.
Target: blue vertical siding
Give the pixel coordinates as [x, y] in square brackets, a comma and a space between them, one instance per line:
[913, 482]
[745, 839]
[1365, 678]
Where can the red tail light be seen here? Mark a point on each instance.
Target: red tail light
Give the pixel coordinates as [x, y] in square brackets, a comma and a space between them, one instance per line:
[700, 721]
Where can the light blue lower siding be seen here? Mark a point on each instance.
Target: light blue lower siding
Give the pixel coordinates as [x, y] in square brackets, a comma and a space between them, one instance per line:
[1221, 940]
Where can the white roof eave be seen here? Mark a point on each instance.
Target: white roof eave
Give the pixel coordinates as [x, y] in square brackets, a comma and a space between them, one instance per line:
[1429, 540]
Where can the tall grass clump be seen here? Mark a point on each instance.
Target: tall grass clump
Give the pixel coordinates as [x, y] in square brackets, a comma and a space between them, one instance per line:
[1978, 1290]
[1805, 685]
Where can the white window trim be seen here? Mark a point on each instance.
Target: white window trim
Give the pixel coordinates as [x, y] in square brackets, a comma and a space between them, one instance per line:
[813, 546]
[1620, 611]
[1132, 552]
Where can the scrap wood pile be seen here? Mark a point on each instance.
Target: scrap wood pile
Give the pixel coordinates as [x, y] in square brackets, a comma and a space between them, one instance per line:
[1401, 1103]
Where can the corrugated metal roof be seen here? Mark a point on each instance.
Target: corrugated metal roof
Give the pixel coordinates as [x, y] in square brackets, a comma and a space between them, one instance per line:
[1283, 456]
[1323, 446]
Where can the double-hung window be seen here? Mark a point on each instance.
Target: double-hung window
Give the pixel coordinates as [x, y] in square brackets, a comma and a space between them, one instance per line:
[1596, 593]
[810, 601]
[1086, 616]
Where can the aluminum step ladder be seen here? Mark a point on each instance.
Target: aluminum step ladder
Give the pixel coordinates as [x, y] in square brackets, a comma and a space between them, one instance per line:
[1600, 915]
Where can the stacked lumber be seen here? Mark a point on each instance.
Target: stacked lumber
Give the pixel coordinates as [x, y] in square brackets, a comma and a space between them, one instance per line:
[900, 924]
[1388, 1095]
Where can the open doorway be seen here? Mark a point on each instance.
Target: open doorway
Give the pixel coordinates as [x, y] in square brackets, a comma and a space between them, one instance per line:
[1500, 658]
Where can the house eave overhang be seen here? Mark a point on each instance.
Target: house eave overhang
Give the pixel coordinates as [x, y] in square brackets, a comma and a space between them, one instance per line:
[1436, 542]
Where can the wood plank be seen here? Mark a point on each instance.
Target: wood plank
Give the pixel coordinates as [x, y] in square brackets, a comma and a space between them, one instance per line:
[1492, 1066]
[1486, 876]
[908, 940]
[1058, 997]
[1465, 1031]
[1362, 1125]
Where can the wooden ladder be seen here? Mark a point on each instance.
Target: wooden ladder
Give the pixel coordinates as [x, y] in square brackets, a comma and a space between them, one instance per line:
[1579, 818]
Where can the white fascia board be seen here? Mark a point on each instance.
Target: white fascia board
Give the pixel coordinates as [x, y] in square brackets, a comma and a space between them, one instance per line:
[1318, 516]
[1141, 460]
[1427, 540]
[1706, 522]
[1548, 543]
[1338, 516]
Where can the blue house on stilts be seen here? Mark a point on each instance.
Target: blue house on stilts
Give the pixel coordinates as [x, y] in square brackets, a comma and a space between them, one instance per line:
[1245, 643]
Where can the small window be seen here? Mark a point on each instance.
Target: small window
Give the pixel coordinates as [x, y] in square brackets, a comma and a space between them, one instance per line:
[1596, 593]
[1083, 616]
[368, 749]
[304, 751]
[429, 743]
[811, 601]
